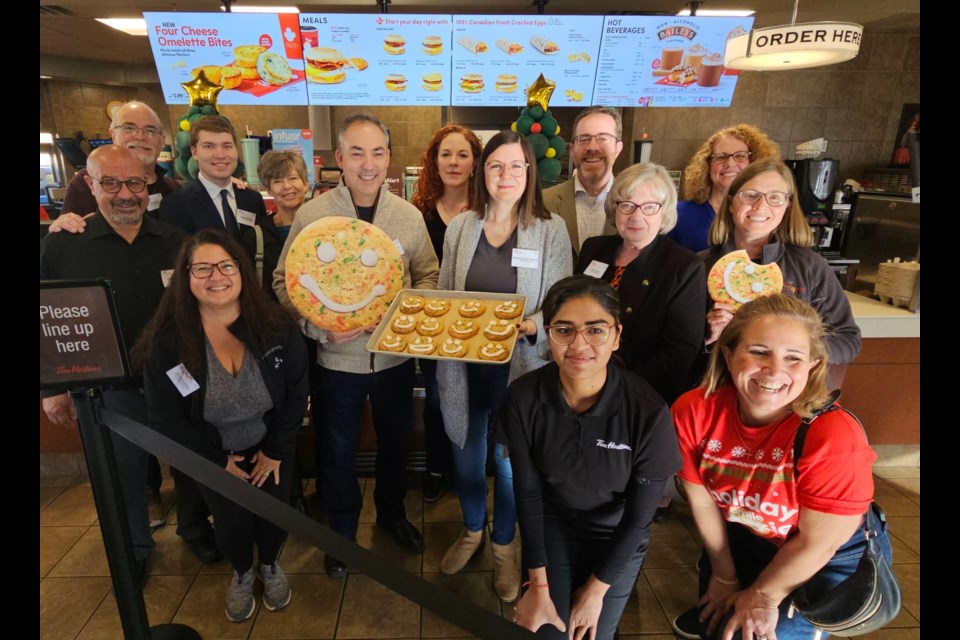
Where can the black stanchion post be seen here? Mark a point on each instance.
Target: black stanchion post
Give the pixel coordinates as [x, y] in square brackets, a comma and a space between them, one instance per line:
[105, 481]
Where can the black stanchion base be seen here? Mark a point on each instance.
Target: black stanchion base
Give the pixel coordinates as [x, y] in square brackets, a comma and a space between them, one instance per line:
[173, 632]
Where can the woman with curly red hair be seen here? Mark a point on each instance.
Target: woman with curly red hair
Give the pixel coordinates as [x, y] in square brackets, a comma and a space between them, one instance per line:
[443, 192]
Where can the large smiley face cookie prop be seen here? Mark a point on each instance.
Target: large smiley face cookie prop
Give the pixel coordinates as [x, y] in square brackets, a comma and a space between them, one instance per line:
[343, 273]
[735, 280]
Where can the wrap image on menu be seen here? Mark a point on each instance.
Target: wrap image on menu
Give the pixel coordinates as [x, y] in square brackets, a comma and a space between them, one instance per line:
[472, 45]
[509, 47]
[545, 45]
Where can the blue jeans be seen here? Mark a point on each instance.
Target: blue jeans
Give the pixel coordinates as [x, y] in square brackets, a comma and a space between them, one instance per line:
[751, 555]
[485, 386]
[391, 398]
[436, 440]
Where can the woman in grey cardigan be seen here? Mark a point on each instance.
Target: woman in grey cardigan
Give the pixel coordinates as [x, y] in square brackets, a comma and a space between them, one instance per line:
[511, 244]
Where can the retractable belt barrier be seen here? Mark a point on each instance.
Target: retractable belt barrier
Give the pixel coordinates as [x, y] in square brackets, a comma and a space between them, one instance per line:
[462, 613]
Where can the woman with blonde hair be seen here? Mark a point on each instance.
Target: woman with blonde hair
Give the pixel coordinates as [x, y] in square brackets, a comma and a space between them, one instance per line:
[284, 174]
[708, 176]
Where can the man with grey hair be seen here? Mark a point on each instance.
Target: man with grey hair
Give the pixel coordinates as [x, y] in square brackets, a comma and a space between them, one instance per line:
[594, 148]
[349, 374]
[137, 127]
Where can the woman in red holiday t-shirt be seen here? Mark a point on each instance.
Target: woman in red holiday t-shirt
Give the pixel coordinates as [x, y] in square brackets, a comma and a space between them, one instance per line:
[769, 522]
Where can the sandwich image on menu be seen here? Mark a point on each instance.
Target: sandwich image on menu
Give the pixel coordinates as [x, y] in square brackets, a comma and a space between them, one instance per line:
[545, 46]
[472, 45]
[395, 44]
[432, 82]
[251, 62]
[506, 83]
[396, 82]
[325, 65]
[471, 83]
[433, 45]
[509, 46]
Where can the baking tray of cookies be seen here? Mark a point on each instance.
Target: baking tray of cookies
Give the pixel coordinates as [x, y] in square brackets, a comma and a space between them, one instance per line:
[469, 326]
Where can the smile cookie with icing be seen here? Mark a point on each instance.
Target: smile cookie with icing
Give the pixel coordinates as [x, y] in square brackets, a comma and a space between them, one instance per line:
[736, 280]
[412, 304]
[436, 307]
[493, 351]
[392, 343]
[499, 330]
[453, 348]
[422, 346]
[343, 273]
[404, 324]
[429, 327]
[464, 329]
[507, 310]
[472, 309]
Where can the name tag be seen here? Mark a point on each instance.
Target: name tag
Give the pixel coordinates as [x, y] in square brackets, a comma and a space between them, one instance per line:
[182, 380]
[525, 259]
[247, 218]
[154, 202]
[396, 243]
[596, 269]
[165, 275]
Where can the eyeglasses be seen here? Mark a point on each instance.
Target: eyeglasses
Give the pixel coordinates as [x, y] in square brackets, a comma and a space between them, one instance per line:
[595, 334]
[516, 169]
[739, 156]
[602, 139]
[203, 270]
[628, 208]
[132, 130]
[112, 185]
[774, 198]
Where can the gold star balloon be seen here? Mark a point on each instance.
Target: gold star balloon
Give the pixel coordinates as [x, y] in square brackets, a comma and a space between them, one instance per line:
[538, 94]
[201, 90]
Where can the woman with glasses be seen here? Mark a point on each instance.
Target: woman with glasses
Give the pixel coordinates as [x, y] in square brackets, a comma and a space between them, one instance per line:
[225, 374]
[761, 216]
[708, 176]
[592, 447]
[284, 174]
[443, 193]
[509, 244]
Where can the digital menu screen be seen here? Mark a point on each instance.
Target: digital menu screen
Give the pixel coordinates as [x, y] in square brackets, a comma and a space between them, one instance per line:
[369, 59]
[495, 58]
[256, 58]
[657, 61]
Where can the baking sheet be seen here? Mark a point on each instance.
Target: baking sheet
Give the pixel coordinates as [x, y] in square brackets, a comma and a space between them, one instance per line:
[491, 300]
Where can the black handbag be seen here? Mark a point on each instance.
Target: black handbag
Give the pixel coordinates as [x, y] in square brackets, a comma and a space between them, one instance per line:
[868, 599]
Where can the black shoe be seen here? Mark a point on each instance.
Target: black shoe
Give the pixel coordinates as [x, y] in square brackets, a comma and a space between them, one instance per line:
[661, 513]
[334, 567]
[404, 534]
[687, 624]
[433, 487]
[205, 548]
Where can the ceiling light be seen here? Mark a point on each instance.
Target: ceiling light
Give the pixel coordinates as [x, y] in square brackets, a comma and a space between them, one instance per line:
[794, 46]
[235, 8]
[719, 13]
[130, 26]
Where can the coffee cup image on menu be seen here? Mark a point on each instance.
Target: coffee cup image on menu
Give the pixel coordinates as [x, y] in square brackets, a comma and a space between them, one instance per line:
[471, 83]
[432, 82]
[506, 83]
[693, 56]
[395, 44]
[432, 45]
[711, 68]
[325, 65]
[671, 56]
[396, 82]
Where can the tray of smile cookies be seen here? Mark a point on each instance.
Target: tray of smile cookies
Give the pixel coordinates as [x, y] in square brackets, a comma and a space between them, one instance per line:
[460, 325]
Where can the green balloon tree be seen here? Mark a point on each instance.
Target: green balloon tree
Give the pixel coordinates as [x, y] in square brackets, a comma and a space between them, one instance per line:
[541, 130]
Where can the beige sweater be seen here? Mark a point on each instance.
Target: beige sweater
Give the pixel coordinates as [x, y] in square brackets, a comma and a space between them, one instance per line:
[401, 221]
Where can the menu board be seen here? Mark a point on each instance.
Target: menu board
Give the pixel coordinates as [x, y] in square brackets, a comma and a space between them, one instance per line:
[495, 58]
[657, 61]
[376, 58]
[256, 58]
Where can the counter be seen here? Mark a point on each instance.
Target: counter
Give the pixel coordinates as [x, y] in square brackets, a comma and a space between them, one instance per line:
[882, 386]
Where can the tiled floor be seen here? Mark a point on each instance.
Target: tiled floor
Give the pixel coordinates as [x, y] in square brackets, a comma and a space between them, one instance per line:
[76, 600]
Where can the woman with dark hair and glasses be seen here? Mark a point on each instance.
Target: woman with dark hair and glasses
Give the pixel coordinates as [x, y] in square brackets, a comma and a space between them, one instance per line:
[761, 216]
[592, 448]
[225, 374]
[509, 244]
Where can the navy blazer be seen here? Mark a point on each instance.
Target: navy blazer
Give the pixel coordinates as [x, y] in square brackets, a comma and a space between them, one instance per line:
[192, 209]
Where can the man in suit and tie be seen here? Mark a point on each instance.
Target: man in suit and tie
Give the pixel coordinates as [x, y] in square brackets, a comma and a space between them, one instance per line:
[212, 202]
[595, 146]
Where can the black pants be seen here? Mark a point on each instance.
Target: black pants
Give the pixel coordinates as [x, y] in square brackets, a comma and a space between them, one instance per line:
[238, 530]
[571, 555]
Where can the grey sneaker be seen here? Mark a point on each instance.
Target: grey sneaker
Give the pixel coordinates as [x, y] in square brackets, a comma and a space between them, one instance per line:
[240, 601]
[276, 589]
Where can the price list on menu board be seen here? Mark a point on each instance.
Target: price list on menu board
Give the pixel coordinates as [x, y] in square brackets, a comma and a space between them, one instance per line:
[495, 58]
[655, 61]
[256, 59]
[401, 60]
